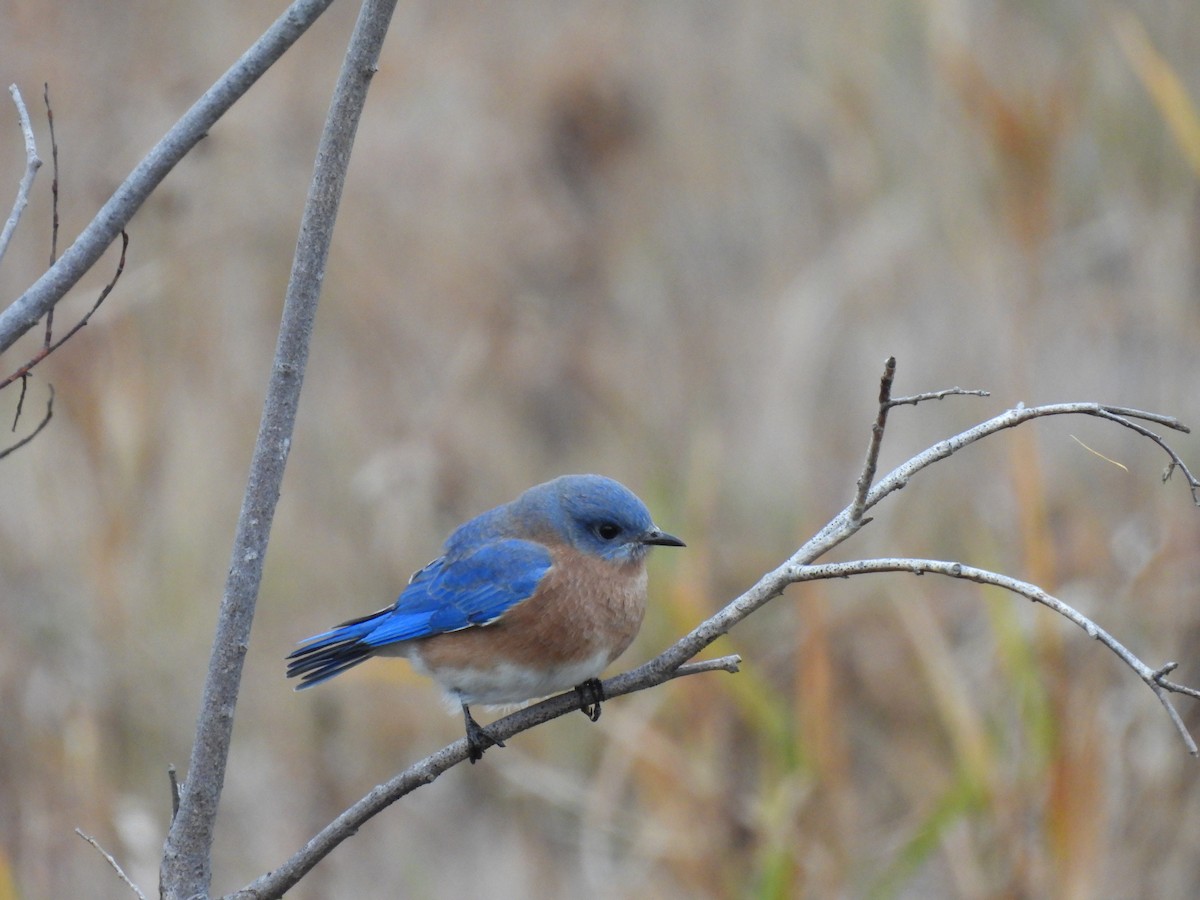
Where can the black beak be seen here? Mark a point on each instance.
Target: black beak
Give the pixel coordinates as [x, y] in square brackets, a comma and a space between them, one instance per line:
[662, 539]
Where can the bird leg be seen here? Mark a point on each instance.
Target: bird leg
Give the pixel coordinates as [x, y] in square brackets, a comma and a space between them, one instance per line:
[478, 739]
[591, 693]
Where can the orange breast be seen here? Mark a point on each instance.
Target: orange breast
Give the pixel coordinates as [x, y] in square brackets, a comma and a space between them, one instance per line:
[586, 611]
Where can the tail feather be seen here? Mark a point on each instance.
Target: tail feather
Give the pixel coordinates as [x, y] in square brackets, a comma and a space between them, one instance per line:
[333, 652]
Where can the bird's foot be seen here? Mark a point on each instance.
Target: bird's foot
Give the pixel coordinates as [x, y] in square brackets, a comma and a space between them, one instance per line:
[591, 694]
[478, 738]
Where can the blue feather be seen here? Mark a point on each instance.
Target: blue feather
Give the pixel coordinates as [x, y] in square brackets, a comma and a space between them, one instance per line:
[449, 594]
[474, 589]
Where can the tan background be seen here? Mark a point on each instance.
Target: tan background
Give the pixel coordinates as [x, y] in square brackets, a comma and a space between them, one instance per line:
[672, 242]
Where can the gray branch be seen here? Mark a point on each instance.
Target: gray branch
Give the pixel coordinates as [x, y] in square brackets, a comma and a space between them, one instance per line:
[279, 880]
[41, 297]
[32, 163]
[1154, 678]
[186, 869]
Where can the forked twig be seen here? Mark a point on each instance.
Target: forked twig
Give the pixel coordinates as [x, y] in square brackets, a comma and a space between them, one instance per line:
[886, 403]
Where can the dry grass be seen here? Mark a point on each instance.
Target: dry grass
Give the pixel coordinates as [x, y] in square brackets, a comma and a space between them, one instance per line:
[673, 244]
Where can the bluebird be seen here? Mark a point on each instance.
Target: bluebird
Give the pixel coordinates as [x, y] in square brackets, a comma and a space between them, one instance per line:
[528, 599]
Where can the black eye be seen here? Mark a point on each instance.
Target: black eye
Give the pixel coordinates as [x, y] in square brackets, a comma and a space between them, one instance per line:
[606, 531]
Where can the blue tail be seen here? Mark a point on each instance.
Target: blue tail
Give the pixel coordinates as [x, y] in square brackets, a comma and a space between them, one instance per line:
[334, 651]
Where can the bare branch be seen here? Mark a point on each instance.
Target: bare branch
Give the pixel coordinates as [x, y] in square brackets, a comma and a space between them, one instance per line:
[279, 880]
[1020, 414]
[186, 869]
[112, 862]
[32, 164]
[1160, 678]
[1128, 413]
[1153, 677]
[37, 301]
[1125, 416]
[42, 424]
[939, 395]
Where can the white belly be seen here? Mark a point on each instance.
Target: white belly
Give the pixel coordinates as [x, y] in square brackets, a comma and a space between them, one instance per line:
[508, 683]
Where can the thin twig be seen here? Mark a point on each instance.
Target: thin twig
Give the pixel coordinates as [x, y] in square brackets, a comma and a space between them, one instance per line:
[32, 164]
[20, 401]
[42, 424]
[1159, 419]
[47, 349]
[1124, 417]
[867, 478]
[53, 203]
[112, 282]
[112, 862]
[938, 395]
[1175, 687]
[173, 776]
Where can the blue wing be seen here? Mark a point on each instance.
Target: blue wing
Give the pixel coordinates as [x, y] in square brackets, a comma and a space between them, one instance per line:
[449, 594]
[475, 589]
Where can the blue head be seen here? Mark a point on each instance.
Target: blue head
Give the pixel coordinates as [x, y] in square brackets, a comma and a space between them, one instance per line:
[594, 514]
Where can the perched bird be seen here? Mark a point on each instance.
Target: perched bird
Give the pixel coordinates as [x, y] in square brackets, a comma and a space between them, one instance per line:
[528, 599]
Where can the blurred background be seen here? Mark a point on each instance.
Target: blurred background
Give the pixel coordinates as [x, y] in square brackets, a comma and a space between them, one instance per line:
[673, 243]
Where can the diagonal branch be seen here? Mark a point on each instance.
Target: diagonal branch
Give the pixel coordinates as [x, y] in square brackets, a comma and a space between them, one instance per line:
[37, 301]
[273, 884]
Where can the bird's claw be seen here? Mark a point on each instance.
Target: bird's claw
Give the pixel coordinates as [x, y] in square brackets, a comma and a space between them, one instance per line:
[478, 738]
[591, 694]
